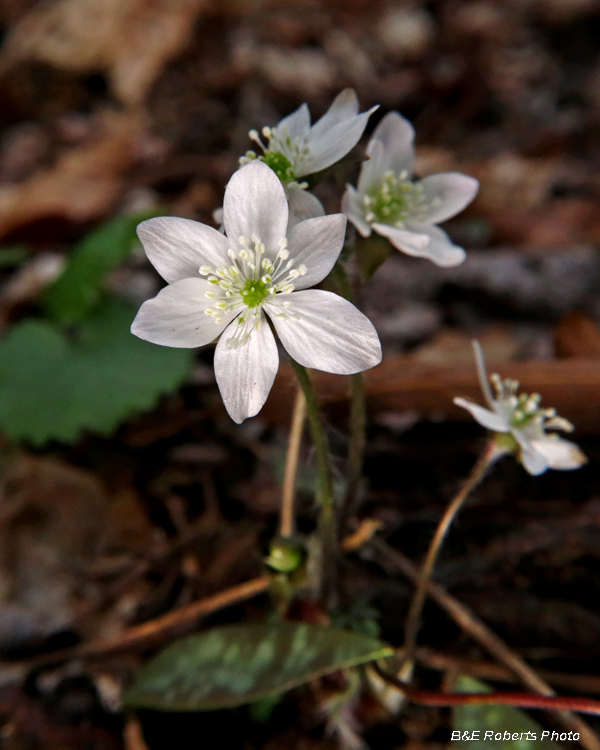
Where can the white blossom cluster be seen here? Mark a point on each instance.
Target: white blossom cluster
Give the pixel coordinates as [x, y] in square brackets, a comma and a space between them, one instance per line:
[248, 285]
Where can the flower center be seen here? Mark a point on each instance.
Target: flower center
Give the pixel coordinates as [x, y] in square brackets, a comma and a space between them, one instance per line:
[280, 164]
[283, 154]
[252, 281]
[395, 201]
[525, 408]
[254, 292]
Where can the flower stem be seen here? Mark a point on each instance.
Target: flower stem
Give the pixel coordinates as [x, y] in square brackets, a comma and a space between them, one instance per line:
[327, 519]
[489, 455]
[286, 522]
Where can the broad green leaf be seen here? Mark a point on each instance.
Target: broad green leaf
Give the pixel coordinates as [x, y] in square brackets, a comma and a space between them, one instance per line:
[53, 386]
[502, 721]
[236, 664]
[71, 297]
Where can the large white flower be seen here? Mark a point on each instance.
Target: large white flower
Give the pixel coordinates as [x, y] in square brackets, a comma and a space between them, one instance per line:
[229, 285]
[522, 424]
[406, 212]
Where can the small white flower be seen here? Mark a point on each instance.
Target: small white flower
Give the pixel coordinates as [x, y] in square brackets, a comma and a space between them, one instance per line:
[296, 149]
[231, 284]
[522, 424]
[406, 212]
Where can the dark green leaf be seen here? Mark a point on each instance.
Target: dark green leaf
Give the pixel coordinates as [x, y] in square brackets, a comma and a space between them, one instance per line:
[53, 386]
[71, 297]
[236, 664]
[500, 720]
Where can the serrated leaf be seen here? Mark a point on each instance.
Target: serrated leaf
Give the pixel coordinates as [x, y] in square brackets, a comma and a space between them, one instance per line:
[54, 386]
[71, 297]
[236, 664]
[497, 719]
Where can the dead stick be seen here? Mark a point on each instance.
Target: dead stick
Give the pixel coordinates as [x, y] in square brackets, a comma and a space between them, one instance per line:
[478, 630]
[153, 630]
[520, 700]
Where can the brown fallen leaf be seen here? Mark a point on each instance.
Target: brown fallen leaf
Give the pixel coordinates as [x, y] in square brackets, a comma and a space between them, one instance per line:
[85, 182]
[130, 40]
[577, 335]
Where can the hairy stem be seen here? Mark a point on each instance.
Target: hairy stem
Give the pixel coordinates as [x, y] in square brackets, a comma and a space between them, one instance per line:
[327, 519]
[414, 614]
[286, 523]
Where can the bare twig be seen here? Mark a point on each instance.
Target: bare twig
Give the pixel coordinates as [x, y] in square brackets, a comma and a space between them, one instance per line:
[414, 613]
[286, 526]
[579, 683]
[155, 630]
[520, 700]
[392, 558]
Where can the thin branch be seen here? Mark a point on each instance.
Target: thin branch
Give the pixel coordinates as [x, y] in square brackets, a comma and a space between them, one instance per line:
[155, 630]
[414, 614]
[519, 700]
[393, 559]
[286, 524]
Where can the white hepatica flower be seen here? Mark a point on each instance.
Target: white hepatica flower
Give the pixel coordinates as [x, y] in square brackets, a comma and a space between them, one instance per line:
[230, 284]
[522, 424]
[406, 212]
[296, 149]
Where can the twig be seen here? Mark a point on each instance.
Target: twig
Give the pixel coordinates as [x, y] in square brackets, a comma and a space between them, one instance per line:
[286, 526]
[478, 630]
[156, 629]
[520, 700]
[579, 683]
[414, 613]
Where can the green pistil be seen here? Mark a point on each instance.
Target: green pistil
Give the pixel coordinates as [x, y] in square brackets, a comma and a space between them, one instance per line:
[280, 164]
[254, 292]
[394, 201]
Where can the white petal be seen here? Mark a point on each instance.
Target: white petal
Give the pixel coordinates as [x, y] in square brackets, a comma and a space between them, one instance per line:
[245, 375]
[485, 417]
[330, 334]
[331, 145]
[176, 317]
[411, 243]
[178, 247]
[303, 205]
[343, 107]
[395, 136]
[255, 203]
[441, 250]
[559, 453]
[447, 194]
[352, 207]
[296, 124]
[316, 243]
[374, 168]
[534, 461]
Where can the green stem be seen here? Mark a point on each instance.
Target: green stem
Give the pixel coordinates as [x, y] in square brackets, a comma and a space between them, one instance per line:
[327, 519]
[490, 454]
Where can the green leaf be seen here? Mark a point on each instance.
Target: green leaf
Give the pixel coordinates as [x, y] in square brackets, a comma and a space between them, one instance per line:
[71, 297]
[371, 253]
[236, 664]
[500, 720]
[54, 386]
